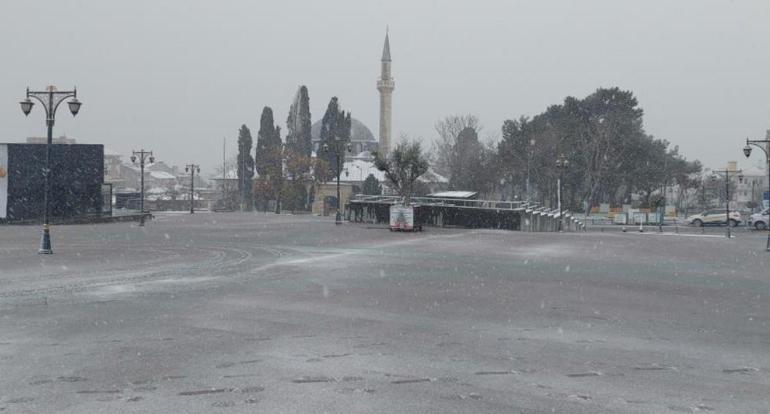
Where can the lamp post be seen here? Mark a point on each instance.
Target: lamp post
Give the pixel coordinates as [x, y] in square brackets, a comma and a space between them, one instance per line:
[50, 99]
[765, 149]
[530, 155]
[562, 163]
[192, 169]
[726, 172]
[338, 149]
[282, 159]
[143, 155]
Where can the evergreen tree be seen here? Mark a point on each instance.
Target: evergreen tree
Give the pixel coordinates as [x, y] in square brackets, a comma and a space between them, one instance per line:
[298, 124]
[610, 155]
[268, 156]
[372, 186]
[335, 133]
[245, 166]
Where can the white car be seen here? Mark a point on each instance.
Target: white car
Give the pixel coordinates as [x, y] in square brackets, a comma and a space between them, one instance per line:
[759, 220]
[714, 216]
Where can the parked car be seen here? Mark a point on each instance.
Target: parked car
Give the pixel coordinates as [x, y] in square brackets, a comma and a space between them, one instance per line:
[759, 220]
[714, 217]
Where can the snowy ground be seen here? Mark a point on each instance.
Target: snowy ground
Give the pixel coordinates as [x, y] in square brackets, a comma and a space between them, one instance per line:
[238, 312]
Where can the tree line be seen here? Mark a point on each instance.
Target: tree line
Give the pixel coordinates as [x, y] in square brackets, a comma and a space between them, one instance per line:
[285, 170]
[610, 156]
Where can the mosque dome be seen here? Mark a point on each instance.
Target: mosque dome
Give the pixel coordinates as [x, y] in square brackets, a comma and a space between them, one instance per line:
[361, 137]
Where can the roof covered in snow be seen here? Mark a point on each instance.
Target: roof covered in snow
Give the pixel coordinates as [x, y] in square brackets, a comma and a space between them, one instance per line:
[162, 175]
[454, 194]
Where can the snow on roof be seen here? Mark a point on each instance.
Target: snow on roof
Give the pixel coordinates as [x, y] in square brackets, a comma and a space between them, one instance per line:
[162, 175]
[359, 169]
[433, 177]
[454, 194]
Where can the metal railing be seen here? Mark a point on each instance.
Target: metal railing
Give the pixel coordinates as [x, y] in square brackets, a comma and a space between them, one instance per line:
[435, 201]
[548, 220]
[531, 218]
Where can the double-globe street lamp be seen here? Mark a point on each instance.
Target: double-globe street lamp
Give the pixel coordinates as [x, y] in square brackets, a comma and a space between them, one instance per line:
[192, 169]
[338, 147]
[50, 99]
[142, 156]
[562, 163]
[747, 152]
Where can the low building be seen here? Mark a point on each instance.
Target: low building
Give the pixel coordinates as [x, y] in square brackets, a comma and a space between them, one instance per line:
[77, 175]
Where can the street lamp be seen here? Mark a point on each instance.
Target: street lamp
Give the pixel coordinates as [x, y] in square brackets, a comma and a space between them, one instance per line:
[50, 99]
[282, 160]
[726, 172]
[530, 155]
[192, 169]
[338, 149]
[143, 155]
[765, 148]
[562, 163]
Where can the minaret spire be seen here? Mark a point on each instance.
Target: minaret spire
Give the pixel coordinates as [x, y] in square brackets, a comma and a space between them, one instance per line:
[385, 85]
[386, 47]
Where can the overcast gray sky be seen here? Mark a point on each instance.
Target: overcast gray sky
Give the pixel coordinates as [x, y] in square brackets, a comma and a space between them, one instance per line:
[178, 76]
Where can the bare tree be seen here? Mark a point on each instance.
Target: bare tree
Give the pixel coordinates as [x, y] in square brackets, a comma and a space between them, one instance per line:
[448, 129]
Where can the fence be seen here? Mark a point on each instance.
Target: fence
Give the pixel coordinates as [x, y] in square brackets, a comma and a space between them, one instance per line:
[510, 215]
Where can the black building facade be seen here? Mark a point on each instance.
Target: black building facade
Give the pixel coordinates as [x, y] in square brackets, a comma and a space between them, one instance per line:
[77, 175]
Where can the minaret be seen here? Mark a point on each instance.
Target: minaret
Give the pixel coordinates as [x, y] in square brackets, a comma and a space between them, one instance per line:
[385, 85]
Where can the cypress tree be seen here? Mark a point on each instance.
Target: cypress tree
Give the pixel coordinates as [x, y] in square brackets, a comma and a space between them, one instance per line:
[335, 132]
[245, 165]
[298, 124]
[268, 156]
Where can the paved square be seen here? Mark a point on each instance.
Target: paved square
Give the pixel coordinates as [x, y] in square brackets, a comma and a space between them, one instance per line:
[263, 313]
